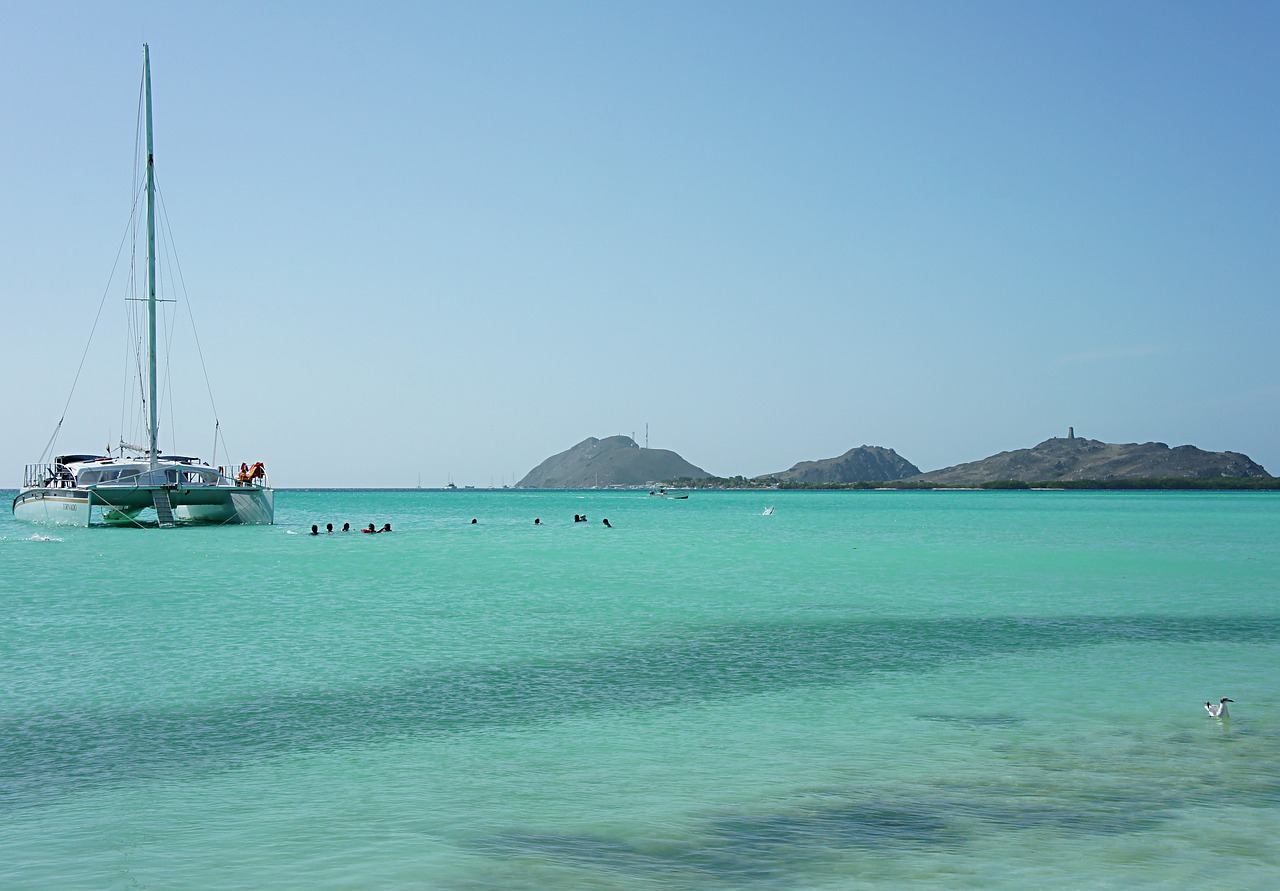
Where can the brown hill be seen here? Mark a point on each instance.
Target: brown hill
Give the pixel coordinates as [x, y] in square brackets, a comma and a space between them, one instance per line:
[1076, 458]
[865, 464]
[612, 461]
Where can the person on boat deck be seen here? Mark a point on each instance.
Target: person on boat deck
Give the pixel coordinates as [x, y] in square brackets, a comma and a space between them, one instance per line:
[243, 476]
[328, 527]
[370, 529]
[314, 529]
[386, 528]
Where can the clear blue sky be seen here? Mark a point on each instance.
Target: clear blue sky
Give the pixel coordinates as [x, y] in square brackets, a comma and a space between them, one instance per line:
[453, 239]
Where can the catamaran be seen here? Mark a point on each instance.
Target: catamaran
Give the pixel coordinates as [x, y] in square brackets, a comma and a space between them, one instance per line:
[89, 489]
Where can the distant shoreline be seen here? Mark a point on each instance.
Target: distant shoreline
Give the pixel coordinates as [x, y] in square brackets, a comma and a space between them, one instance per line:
[1142, 484]
[1243, 484]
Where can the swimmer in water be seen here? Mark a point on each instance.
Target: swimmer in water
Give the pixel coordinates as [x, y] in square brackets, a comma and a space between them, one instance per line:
[315, 530]
[386, 528]
[369, 529]
[328, 527]
[607, 523]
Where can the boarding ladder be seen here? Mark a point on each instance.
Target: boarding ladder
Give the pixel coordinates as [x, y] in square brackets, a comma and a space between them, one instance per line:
[164, 507]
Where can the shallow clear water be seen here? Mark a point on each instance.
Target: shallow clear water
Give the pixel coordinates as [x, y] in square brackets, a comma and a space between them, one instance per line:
[863, 690]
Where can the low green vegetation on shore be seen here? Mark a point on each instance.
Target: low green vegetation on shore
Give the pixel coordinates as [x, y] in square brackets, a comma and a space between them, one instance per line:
[1170, 483]
[1222, 482]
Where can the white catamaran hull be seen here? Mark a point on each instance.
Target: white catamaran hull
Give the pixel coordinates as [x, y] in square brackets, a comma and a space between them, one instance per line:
[53, 507]
[251, 505]
[254, 507]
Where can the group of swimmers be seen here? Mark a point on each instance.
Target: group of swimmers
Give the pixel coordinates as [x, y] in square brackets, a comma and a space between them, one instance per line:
[346, 527]
[537, 521]
[583, 519]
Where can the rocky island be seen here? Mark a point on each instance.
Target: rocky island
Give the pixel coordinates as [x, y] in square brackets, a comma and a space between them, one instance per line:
[1073, 459]
[612, 461]
[865, 464]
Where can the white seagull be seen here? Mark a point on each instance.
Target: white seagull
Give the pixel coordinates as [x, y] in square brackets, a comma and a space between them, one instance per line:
[1219, 710]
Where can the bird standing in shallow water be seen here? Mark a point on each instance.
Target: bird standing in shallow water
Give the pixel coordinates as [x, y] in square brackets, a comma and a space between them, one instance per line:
[1219, 710]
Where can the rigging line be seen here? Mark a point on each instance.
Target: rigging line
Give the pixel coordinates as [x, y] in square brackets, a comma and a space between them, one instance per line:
[167, 390]
[84, 355]
[235, 514]
[134, 291]
[139, 376]
[133, 314]
[132, 374]
[170, 322]
[186, 298]
[226, 450]
[167, 393]
[124, 394]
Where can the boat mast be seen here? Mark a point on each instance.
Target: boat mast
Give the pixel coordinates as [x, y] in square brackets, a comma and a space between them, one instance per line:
[153, 428]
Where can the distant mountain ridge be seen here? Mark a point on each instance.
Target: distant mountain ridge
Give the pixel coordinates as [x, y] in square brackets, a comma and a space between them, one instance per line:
[865, 464]
[1076, 458]
[612, 461]
[619, 461]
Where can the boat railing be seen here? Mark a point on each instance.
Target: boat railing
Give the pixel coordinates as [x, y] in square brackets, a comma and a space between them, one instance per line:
[49, 475]
[37, 475]
[262, 482]
[56, 476]
[230, 478]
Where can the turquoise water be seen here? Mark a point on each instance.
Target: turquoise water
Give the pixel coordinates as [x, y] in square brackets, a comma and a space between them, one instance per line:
[863, 690]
